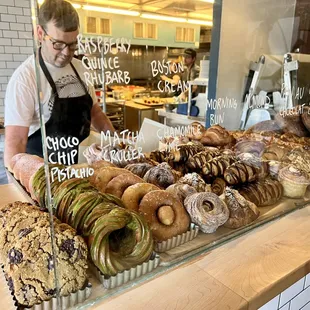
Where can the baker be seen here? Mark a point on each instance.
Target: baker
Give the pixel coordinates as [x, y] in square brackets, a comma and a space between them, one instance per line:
[191, 71]
[69, 105]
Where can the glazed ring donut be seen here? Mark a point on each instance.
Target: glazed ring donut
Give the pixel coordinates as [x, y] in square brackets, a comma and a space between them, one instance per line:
[134, 193]
[118, 185]
[165, 214]
[106, 174]
[207, 210]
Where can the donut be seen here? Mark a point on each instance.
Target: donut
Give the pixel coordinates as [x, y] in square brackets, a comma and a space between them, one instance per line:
[14, 160]
[181, 190]
[207, 210]
[161, 175]
[134, 193]
[195, 180]
[25, 167]
[118, 185]
[165, 214]
[66, 192]
[105, 175]
[101, 164]
[140, 169]
[120, 240]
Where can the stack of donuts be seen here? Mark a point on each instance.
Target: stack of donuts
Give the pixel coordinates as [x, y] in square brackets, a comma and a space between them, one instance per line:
[163, 212]
[214, 178]
[117, 238]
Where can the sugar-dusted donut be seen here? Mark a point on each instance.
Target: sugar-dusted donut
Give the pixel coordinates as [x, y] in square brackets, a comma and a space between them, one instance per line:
[134, 193]
[207, 210]
[162, 175]
[165, 214]
[118, 185]
[181, 190]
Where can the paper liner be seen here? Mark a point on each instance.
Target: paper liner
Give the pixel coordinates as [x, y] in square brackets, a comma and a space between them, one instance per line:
[178, 240]
[128, 275]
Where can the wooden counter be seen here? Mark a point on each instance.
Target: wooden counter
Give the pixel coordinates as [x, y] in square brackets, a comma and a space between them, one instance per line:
[242, 274]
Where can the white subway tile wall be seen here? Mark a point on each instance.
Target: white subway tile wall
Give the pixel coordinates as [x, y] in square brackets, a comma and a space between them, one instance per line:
[15, 41]
[300, 300]
[286, 307]
[296, 297]
[306, 307]
[291, 292]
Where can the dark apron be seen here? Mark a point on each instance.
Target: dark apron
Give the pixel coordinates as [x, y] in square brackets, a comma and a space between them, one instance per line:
[70, 117]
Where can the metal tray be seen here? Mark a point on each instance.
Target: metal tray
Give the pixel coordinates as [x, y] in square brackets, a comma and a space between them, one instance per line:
[66, 301]
[178, 240]
[127, 275]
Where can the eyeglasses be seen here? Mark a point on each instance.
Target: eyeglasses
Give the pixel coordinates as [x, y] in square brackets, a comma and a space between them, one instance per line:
[60, 45]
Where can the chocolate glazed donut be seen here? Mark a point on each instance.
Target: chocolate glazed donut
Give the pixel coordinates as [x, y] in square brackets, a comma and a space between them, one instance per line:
[165, 214]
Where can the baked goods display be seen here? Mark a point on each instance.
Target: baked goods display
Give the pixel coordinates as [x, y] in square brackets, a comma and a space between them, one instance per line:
[217, 136]
[241, 211]
[240, 172]
[217, 166]
[292, 123]
[161, 175]
[207, 210]
[294, 181]
[218, 186]
[139, 169]
[262, 193]
[195, 181]
[181, 190]
[27, 257]
[133, 194]
[165, 214]
[213, 178]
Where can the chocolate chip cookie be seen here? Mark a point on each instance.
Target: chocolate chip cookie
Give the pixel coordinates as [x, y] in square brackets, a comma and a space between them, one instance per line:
[27, 254]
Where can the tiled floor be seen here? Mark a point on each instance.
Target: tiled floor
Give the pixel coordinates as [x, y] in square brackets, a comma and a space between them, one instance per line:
[3, 177]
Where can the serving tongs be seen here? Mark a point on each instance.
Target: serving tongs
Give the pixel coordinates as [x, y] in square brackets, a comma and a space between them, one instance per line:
[255, 71]
[290, 68]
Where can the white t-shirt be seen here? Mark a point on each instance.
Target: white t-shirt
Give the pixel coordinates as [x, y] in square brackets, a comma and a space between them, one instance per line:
[21, 98]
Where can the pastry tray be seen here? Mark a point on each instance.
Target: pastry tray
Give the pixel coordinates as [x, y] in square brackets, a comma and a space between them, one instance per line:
[206, 242]
[67, 302]
[178, 240]
[127, 275]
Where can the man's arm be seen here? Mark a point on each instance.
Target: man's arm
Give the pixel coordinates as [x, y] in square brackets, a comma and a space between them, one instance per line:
[99, 120]
[16, 138]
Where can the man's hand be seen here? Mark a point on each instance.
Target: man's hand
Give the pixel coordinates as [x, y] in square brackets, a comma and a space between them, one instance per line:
[99, 120]
[16, 138]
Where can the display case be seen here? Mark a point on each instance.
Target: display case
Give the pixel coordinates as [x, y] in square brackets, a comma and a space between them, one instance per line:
[116, 213]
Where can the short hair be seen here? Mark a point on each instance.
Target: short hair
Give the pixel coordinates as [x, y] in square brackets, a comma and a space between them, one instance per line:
[61, 12]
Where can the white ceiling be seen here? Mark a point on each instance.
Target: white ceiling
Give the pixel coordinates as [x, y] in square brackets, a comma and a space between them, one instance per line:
[199, 9]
